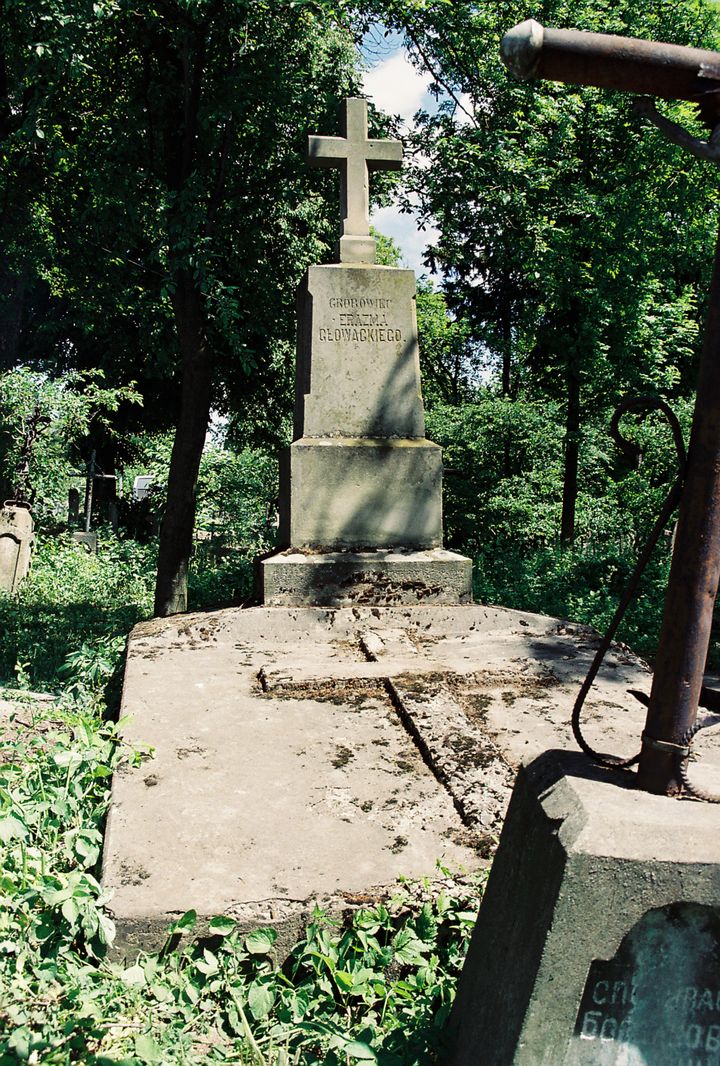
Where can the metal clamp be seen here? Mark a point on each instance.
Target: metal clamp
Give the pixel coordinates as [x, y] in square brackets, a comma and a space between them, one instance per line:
[668, 746]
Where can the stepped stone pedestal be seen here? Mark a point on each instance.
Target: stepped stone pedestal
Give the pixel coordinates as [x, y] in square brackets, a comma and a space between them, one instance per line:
[361, 487]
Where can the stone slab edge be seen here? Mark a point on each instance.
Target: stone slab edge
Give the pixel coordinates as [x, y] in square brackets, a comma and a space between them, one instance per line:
[347, 579]
[288, 918]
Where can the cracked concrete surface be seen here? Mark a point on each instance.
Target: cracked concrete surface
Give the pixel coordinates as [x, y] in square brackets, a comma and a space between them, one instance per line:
[306, 754]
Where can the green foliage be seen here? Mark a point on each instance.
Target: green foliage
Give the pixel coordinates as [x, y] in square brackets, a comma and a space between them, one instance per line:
[236, 513]
[504, 477]
[387, 252]
[450, 359]
[574, 240]
[53, 792]
[41, 418]
[74, 600]
[377, 990]
[170, 162]
[503, 493]
[582, 584]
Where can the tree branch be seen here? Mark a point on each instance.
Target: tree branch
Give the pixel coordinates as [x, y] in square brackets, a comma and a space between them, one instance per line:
[436, 76]
[709, 150]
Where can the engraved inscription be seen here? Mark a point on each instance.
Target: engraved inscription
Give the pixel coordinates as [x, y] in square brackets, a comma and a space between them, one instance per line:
[373, 335]
[359, 320]
[657, 1003]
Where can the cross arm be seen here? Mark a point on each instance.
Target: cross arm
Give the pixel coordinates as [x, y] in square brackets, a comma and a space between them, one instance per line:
[384, 155]
[326, 152]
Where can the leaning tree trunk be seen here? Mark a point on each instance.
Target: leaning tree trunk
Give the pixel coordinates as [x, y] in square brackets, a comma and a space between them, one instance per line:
[176, 532]
[572, 452]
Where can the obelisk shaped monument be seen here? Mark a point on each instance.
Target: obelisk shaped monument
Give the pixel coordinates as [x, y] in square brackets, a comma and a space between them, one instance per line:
[361, 487]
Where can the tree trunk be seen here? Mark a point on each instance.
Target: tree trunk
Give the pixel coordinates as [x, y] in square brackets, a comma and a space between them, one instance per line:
[572, 450]
[506, 354]
[13, 294]
[176, 531]
[179, 120]
[506, 383]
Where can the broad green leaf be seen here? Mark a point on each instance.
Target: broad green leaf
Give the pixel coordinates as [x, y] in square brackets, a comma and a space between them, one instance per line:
[356, 1049]
[147, 1048]
[222, 926]
[12, 828]
[260, 1000]
[185, 923]
[344, 980]
[261, 941]
[134, 975]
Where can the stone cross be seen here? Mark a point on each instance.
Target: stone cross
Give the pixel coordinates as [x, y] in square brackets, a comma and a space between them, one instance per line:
[354, 154]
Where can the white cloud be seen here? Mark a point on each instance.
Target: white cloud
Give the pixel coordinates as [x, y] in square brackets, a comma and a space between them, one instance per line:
[404, 231]
[464, 113]
[395, 86]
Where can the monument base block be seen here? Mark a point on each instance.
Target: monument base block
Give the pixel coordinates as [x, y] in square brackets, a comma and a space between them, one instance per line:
[384, 578]
[598, 939]
[338, 492]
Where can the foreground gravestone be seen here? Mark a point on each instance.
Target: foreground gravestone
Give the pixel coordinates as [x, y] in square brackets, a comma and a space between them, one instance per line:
[598, 940]
[361, 487]
[658, 998]
[16, 542]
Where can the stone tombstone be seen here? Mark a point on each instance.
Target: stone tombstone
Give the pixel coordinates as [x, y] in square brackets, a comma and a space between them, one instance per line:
[361, 487]
[73, 507]
[16, 542]
[657, 1001]
[598, 937]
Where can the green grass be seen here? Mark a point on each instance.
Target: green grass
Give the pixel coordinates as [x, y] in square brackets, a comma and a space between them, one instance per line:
[376, 990]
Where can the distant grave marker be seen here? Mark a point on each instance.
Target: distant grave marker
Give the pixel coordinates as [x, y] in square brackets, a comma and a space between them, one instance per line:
[73, 507]
[17, 537]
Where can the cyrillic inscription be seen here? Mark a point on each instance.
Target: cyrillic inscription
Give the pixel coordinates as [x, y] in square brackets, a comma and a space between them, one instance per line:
[657, 1003]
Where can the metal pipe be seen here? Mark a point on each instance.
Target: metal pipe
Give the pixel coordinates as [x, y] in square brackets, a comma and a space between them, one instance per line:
[669, 71]
[694, 575]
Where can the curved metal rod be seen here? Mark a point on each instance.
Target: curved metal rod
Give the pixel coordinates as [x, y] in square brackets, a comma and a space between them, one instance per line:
[647, 404]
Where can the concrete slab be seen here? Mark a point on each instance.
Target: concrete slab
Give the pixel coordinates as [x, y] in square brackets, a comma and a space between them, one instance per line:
[311, 753]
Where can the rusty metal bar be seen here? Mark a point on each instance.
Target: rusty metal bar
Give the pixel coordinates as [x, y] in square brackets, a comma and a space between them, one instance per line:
[694, 575]
[669, 71]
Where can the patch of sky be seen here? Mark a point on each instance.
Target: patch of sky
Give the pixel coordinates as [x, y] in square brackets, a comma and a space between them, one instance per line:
[399, 89]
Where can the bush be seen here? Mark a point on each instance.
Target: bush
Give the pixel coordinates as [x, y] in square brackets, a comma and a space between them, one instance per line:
[73, 598]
